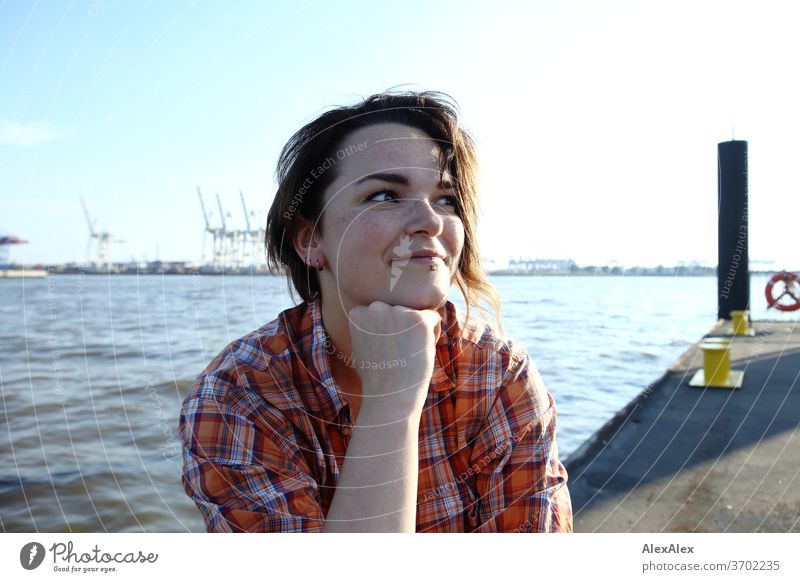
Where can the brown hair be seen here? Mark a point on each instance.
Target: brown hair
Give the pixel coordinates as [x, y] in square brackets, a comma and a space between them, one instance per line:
[434, 113]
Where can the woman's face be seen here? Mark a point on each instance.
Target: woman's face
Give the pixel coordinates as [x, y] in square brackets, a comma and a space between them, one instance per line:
[388, 203]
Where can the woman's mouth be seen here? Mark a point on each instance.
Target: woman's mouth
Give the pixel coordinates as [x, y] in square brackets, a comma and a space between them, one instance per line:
[427, 260]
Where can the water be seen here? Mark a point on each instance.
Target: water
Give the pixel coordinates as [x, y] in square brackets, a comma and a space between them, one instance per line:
[94, 369]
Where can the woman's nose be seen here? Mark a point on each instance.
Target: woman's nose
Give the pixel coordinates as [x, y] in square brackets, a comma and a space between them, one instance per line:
[423, 217]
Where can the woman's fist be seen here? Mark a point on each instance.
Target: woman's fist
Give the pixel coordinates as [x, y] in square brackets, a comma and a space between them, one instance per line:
[394, 348]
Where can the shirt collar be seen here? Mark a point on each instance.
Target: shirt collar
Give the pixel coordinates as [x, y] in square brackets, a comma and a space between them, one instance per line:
[444, 367]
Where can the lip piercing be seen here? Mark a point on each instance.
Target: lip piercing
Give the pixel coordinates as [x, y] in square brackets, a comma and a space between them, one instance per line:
[433, 267]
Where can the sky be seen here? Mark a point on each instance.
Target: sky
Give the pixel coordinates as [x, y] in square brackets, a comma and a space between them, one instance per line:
[597, 123]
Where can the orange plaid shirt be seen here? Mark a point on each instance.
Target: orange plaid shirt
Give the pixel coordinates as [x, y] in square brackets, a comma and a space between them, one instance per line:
[265, 432]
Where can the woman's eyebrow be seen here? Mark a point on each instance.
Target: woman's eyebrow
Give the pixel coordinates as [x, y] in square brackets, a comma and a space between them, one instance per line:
[400, 179]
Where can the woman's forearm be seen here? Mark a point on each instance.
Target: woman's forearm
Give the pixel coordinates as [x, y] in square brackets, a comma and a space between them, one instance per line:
[377, 489]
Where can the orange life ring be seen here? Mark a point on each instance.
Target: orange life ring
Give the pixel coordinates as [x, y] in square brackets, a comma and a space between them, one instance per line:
[791, 287]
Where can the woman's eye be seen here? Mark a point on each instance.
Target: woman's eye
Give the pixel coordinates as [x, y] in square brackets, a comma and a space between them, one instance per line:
[392, 196]
[379, 192]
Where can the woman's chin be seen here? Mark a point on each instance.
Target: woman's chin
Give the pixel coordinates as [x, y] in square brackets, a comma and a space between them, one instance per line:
[431, 298]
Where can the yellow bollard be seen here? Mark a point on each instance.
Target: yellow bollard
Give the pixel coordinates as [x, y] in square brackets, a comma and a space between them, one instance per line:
[740, 321]
[716, 372]
[716, 362]
[723, 341]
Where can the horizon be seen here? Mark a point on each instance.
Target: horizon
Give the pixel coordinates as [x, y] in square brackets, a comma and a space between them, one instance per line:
[489, 265]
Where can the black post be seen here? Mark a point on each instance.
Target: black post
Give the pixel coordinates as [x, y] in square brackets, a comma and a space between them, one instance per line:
[733, 269]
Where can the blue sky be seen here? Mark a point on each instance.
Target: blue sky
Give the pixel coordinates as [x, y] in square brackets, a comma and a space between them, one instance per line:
[597, 122]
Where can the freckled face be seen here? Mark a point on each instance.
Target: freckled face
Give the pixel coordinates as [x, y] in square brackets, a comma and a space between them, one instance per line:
[389, 200]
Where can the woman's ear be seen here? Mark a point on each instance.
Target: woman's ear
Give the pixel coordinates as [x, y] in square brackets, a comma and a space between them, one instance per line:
[306, 242]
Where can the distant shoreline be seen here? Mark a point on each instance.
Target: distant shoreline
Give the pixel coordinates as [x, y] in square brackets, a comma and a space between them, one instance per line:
[490, 273]
[184, 269]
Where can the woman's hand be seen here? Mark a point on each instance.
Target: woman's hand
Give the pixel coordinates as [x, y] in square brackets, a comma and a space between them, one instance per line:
[394, 348]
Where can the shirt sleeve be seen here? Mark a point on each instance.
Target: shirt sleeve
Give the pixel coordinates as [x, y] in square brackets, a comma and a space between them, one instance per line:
[243, 474]
[521, 484]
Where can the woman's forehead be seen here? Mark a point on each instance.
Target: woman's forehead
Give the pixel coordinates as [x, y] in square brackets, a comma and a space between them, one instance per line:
[387, 146]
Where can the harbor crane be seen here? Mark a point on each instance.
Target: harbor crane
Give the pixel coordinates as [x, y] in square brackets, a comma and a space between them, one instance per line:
[5, 245]
[234, 247]
[251, 236]
[230, 238]
[100, 240]
[216, 233]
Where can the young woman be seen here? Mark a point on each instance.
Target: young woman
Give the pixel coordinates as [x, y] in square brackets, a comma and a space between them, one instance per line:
[373, 405]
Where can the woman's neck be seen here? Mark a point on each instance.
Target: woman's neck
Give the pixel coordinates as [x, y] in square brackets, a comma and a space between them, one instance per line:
[339, 347]
[337, 326]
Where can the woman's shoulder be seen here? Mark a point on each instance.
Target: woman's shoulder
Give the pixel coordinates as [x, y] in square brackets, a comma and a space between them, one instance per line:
[478, 333]
[260, 356]
[493, 361]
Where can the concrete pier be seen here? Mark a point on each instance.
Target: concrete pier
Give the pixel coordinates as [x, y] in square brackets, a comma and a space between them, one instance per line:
[682, 459]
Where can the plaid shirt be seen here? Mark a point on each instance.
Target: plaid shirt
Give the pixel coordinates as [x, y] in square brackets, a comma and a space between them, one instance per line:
[265, 432]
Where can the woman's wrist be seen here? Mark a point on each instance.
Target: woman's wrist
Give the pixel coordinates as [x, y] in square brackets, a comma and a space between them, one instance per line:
[388, 413]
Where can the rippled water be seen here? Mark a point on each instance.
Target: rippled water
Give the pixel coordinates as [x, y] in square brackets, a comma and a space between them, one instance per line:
[93, 371]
